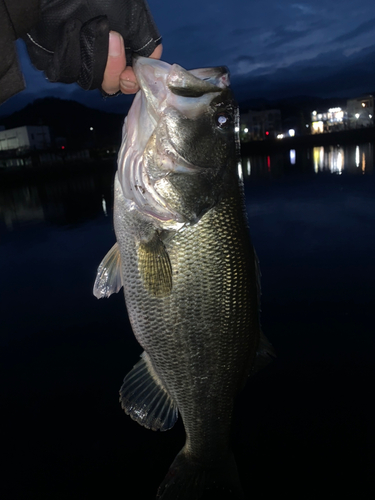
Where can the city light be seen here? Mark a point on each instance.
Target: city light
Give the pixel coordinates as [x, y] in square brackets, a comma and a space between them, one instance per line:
[331, 158]
[318, 155]
[340, 162]
[239, 168]
[236, 129]
[292, 156]
[91, 128]
[317, 127]
[335, 115]
[358, 112]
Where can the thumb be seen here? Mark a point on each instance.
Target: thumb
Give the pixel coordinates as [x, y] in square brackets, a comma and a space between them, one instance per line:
[116, 63]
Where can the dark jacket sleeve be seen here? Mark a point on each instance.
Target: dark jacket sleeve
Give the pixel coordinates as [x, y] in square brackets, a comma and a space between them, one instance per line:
[16, 18]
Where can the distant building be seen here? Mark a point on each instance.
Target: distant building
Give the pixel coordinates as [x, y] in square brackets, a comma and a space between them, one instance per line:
[328, 121]
[258, 125]
[26, 137]
[361, 111]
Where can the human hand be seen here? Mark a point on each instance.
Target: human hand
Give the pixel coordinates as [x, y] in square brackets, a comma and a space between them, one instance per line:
[117, 75]
[70, 43]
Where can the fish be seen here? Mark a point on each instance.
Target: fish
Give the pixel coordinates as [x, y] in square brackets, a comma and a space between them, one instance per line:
[190, 274]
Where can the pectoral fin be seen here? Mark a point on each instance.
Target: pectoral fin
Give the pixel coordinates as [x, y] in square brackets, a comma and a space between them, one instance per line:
[145, 399]
[108, 278]
[155, 267]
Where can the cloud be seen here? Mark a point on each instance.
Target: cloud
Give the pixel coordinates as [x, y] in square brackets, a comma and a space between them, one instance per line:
[282, 35]
[245, 59]
[360, 30]
[303, 8]
[240, 31]
[330, 75]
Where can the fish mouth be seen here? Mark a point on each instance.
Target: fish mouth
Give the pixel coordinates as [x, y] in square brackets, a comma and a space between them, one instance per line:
[158, 80]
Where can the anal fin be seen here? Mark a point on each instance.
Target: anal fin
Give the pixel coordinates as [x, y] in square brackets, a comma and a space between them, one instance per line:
[145, 399]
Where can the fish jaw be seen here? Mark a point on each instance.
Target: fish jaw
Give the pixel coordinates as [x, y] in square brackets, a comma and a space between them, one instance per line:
[168, 153]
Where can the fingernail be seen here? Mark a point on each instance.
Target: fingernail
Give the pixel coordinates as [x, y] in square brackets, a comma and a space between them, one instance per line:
[115, 44]
[128, 85]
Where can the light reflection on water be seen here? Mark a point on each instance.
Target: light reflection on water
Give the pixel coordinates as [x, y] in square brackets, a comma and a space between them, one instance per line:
[70, 200]
[55, 201]
[337, 159]
[352, 159]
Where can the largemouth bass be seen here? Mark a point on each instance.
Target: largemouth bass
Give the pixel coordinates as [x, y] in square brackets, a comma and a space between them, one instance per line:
[188, 268]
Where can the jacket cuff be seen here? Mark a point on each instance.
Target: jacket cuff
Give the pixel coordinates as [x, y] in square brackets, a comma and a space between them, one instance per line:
[24, 14]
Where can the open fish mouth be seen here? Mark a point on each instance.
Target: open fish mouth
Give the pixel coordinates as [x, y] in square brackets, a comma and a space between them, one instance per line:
[169, 85]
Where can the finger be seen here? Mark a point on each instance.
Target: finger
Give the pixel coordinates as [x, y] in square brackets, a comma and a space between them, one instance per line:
[115, 63]
[128, 80]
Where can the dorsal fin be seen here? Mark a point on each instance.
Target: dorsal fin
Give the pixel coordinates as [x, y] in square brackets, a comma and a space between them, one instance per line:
[144, 397]
[109, 277]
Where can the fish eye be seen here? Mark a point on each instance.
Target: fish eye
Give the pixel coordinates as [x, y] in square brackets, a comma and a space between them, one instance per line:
[222, 120]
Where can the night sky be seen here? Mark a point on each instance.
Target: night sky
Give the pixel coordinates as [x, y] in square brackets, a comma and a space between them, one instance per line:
[274, 50]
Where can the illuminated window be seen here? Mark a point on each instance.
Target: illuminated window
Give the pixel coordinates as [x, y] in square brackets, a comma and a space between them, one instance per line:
[317, 127]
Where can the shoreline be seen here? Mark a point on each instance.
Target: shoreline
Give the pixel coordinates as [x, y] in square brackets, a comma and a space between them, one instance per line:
[30, 172]
[341, 137]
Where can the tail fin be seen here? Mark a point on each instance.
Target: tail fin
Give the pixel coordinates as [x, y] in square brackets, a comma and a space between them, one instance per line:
[190, 480]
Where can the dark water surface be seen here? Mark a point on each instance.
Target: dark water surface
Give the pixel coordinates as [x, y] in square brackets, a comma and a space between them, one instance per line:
[304, 426]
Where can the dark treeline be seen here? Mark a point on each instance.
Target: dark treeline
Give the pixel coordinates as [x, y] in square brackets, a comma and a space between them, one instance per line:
[71, 121]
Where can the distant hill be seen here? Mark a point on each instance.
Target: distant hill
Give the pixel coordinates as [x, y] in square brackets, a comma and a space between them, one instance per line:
[71, 120]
